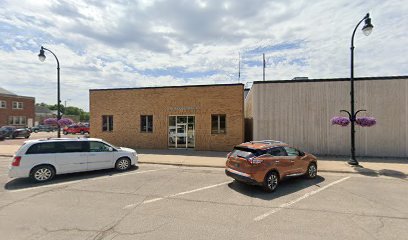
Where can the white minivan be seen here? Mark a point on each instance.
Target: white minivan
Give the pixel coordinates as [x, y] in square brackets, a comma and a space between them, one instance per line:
[42, 159]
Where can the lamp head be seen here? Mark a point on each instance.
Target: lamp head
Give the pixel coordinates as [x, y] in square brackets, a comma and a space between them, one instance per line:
[41, 56]
[368, 27]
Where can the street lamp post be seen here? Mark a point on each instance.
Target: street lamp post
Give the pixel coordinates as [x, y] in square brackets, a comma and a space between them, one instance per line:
[368, 27]
[41, 56]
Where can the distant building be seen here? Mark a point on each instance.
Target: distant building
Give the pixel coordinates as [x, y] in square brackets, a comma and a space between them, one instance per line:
[42, 113]
[16, 110]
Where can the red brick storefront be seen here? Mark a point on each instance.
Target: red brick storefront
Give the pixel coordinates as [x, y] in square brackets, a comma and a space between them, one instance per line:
[16, 110]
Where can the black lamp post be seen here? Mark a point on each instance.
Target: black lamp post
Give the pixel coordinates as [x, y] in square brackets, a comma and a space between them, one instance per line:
[41, 56]
[368, 27]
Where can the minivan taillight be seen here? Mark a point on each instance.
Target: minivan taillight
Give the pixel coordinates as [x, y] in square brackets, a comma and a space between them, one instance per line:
[16, 161]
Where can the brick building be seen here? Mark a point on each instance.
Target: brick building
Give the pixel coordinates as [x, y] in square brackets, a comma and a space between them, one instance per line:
[206, 117]
[16, 110]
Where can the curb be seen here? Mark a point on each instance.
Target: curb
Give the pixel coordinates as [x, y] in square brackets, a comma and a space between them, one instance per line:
[368, 173]
[5, 155]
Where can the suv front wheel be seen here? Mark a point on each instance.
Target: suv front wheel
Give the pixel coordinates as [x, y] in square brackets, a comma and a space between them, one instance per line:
[271, 181]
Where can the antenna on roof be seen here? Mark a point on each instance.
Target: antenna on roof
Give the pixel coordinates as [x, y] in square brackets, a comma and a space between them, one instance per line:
[264, 64]
[239, 67]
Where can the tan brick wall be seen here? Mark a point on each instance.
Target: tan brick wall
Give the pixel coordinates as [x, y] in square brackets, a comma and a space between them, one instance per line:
[127, 105]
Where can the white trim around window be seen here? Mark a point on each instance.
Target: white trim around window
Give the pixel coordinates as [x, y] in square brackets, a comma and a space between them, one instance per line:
[17, 120]
[3, 104]
[18, 105]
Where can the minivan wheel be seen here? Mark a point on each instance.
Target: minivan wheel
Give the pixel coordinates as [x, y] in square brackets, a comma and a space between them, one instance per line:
[311, 171]
[82, 132]
[42, 173]
[271, 181]
[122, 164]
[65, 133]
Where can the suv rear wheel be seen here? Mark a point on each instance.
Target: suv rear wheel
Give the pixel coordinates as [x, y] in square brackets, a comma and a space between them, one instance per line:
[42, 173]
[271, 181]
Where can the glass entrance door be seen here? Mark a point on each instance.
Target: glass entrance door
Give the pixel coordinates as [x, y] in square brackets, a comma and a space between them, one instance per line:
[181, 132]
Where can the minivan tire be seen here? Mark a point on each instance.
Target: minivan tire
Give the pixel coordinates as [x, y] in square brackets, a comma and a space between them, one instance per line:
[122, 164]
[271, 181]
[311, 171]
[65, 133]
[42, 173]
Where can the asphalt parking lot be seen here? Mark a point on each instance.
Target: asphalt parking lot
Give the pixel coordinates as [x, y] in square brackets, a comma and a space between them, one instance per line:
[169, 202]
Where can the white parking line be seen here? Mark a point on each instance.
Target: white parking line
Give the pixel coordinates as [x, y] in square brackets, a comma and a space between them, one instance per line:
[89, 179]
[285, 205]
[177, 194]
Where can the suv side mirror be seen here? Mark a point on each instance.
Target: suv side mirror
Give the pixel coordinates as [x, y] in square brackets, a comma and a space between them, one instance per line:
[301, 153]
[110, 149]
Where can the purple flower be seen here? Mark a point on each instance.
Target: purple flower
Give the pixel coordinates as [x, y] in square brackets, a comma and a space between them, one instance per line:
[61, 122]
[342, 121]
[366, 121]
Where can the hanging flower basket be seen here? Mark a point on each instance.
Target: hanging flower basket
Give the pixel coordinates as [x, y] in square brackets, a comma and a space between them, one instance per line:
[341, 121]
[61, 122]
[366, 121]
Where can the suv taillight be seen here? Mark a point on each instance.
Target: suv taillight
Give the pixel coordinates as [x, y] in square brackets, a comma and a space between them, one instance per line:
[16, 161]
[254, 161]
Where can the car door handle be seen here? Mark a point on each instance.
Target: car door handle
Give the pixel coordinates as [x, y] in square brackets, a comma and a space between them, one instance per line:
[277, 161]
[92, 154]
[292, 161]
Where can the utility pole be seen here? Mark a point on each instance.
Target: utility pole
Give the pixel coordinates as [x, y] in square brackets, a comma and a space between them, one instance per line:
[264, 66]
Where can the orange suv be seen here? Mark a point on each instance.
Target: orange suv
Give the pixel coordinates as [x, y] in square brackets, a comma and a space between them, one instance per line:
[267, 162]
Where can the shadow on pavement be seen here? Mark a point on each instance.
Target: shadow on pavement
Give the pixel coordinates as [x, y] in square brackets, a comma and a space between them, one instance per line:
[21, 183]
[383, 172]
[286, 187]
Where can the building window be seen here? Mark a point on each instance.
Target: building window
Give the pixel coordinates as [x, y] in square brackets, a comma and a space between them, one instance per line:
[218, 124]
[107, 123]
[2, 104]
[17, 120]
[17, 105]
[146, 123]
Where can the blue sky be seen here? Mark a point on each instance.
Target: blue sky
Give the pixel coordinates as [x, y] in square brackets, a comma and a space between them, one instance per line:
[107, 44]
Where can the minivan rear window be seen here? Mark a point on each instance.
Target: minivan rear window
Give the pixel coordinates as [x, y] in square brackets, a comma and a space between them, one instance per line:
[41, 148]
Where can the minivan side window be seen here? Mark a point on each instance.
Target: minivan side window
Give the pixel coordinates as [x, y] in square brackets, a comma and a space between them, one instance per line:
[70, 146]
[98, 147]
[42, 148]
[277, 151]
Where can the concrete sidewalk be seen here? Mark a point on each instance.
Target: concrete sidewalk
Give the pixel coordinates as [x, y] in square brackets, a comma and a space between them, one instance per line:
[368, 166]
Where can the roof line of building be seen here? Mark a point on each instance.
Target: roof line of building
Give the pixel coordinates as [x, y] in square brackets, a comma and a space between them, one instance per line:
[183, 86]
[333, 79]
[16, 96]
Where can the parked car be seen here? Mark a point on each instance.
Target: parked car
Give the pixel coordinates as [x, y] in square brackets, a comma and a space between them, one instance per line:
[13, 132]
[267, 162]
[44, 128]
[42, 159]
[74, 129]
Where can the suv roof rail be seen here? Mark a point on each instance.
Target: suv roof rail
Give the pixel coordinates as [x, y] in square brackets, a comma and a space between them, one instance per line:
[267, 141]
